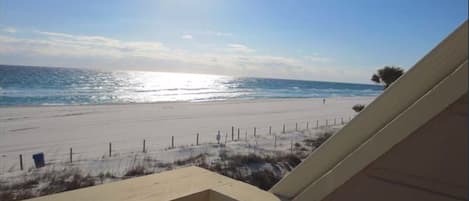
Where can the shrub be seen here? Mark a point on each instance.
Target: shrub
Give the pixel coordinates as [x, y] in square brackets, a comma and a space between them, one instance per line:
[27, 184]
[358, 107]
[103, 176]
[242, 160]
[264, 179]
[24, 194]
[135, 171]
[249, 168]
[66, 182]
[7, 195]
[191, 160]
[291, 159]
[316, 142]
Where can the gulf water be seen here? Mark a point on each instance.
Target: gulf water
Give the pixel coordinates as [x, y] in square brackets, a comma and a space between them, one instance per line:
[24, 85]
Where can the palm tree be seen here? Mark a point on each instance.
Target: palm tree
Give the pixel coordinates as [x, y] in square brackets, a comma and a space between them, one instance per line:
[387, 75]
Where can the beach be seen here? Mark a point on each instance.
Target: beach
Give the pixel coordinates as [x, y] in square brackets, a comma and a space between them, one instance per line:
[89, 129]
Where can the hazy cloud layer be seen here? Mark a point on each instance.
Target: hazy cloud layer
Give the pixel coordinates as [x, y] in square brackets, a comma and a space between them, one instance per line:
[240, 48]
[68, 50]
[9, 30]
[187, 37]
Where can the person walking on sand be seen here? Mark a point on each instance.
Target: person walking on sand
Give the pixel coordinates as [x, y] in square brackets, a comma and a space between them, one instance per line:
[323, 101]
[218, 137]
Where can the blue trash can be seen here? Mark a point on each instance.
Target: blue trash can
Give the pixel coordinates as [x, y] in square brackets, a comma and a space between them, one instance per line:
[39, 160]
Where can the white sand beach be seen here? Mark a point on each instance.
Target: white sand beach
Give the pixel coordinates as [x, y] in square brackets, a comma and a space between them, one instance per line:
[89, 129]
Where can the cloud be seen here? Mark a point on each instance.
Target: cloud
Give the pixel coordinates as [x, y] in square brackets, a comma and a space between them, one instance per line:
[9, 30]
[187, 37]
[317, 58]
[220, 34]
[239, 48]
[79, 45]
[216, 33]
[62, 49]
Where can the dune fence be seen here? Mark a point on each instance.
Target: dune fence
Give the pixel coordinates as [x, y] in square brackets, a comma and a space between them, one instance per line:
[259, 137]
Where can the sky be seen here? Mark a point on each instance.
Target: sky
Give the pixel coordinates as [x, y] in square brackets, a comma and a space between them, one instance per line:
[312, 39]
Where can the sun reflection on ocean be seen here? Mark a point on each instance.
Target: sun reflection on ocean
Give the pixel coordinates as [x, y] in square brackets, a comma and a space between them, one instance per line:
[162, 86]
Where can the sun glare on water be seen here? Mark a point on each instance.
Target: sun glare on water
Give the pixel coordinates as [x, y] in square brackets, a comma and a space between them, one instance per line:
[162, 86]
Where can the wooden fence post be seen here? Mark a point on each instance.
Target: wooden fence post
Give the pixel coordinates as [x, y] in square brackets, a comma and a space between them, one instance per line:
[110, 149]
[232, 133]
[71, 152]
[172, 142]
[238, 134]
[291, 146]
[254, 131]
[143, 146]
[21, 162]
[275, 141]
[197, 140]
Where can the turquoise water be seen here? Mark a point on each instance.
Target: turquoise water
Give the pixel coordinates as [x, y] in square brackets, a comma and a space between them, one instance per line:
[23, 85]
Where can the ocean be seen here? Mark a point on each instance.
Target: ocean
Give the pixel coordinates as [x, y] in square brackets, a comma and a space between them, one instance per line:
[24, 85]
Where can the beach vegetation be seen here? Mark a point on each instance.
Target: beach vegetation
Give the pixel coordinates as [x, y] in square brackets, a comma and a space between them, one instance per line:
[68, 181]
[262, 171]
[258, 168]
[358, 107]
[138, 170]
[321, 138]
[191, 160]
[18, 191]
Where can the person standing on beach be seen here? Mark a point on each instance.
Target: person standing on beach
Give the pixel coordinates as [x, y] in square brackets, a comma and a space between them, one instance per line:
[323, 101]
[218, 137]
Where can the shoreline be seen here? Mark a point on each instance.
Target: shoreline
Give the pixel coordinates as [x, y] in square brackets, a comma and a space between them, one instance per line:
[194, 102]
